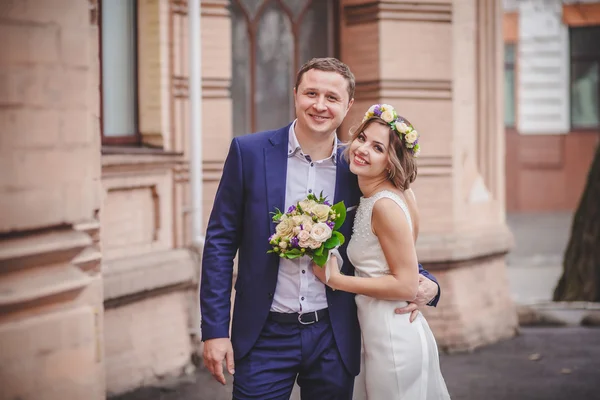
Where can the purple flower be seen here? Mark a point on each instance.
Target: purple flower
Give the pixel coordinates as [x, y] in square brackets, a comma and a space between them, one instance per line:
[377, 110]
[330, 224]
[327, 203]
[291, 209]
[294, 241]
[271, 237]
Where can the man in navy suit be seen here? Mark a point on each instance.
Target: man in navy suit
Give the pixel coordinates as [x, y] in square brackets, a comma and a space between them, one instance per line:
[287, 325]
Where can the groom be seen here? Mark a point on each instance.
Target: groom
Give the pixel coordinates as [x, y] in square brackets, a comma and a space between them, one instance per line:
[287, 325]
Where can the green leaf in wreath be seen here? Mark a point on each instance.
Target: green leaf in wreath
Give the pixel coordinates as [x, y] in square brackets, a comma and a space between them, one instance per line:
[333, 241]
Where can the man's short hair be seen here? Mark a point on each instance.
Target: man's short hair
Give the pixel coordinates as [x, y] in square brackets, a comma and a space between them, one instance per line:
[329, 64]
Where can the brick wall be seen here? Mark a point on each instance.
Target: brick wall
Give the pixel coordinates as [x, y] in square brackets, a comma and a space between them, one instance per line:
[50, 281]
[49, 155]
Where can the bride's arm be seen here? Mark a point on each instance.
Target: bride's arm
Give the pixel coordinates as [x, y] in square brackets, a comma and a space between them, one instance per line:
[392, 229]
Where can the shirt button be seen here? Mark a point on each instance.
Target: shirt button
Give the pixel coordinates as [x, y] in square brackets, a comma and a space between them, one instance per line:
[309, 190]
[302, 298]
[303, 271]
[312, 164]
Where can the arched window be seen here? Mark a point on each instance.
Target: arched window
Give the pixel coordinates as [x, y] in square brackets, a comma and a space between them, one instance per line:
[271, 40]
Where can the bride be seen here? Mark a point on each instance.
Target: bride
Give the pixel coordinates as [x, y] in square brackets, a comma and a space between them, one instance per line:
[401, 358]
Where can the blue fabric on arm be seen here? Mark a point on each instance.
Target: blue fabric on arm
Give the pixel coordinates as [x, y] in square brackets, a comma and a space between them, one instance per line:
[428, 275]
[221, 245]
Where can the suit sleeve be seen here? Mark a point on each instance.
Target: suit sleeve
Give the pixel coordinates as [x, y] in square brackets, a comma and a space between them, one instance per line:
[222, 241]
[426, 274]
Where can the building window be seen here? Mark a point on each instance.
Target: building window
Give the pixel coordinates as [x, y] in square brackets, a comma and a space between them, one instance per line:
[118, 62]
[585, 88]
[271, 39]
[509, 85]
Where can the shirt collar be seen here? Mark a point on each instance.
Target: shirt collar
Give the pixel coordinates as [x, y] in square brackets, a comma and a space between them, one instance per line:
[294, 146]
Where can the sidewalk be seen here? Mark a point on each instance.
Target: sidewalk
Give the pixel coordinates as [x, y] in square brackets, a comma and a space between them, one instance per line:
[542, 363]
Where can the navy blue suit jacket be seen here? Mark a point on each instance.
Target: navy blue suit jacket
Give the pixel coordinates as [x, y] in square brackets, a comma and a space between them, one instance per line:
[253, 185]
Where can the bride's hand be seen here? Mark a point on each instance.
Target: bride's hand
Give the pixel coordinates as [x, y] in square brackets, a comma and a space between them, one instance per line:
[334, 271]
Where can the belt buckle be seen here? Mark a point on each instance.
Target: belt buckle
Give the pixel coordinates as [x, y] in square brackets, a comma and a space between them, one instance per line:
[308, 323]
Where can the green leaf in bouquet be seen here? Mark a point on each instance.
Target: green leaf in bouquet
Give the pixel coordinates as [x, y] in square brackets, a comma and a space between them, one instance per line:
[339, 208]
[339, 236]
[319, 251]
[320, 260]
[333, 241]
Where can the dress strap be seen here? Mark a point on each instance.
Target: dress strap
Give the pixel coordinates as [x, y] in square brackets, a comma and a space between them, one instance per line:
[398, 200]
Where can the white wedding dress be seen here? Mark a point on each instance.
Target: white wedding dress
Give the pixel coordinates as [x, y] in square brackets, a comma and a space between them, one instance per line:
[400, 358]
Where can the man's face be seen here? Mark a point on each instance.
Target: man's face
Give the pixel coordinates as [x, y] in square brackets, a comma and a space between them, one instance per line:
[322, 102]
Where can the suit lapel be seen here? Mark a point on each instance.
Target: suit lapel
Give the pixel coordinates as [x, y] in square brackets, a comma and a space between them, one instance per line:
[276, 171]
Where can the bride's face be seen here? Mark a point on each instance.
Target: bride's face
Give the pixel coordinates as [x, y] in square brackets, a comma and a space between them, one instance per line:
[369, 151]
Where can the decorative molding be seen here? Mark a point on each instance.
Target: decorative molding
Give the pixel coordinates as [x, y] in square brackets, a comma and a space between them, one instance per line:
[216, 88]
[215, 8]
[141, 274]
[38, 268]
[435, 166]
[397, 11]
[181, 87]
[41, 249]
[404, 89]
[179, 7]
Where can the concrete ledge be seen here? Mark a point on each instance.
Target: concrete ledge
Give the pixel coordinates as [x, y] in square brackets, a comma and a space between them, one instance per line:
[560, 314]
[45, 248]
[446, 250]
[152, 271]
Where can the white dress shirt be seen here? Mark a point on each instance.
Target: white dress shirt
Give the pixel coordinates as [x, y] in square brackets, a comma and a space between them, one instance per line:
[298, 289]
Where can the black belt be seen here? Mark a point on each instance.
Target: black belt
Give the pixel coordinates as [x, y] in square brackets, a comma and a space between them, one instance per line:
[299, 318]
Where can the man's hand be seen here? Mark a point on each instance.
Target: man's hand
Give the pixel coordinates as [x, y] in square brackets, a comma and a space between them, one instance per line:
[215, 351]
[428, 289]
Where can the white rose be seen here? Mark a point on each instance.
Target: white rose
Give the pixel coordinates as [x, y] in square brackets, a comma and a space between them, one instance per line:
[386, 107]
[307, 205]
[387, 116]
[320, 232]
[411, 137]
[304, 220]
[303, 239]
[285, 228]
[313, 244]
[321, 211]
[401, 127]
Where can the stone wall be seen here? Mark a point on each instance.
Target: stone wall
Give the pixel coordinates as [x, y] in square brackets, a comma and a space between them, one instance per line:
[50, 283]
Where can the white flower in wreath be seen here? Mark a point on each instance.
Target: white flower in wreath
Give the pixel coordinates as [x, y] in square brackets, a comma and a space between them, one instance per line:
[387, 116]
[401, 127]
[411, 137]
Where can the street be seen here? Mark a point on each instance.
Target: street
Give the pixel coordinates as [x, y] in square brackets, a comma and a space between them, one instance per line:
[539, 364]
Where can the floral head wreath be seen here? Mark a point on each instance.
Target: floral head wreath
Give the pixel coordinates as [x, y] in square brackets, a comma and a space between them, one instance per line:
[408, 135]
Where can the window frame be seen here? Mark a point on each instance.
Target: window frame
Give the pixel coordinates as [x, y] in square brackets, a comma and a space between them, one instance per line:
[134, 139]
[252, 27]
[512, 65]
[576, 59]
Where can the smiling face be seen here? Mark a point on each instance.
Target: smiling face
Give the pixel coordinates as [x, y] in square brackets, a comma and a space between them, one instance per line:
[322, 102]
[368, 152]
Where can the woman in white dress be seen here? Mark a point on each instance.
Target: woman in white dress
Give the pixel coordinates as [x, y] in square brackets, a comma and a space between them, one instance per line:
[401, 358]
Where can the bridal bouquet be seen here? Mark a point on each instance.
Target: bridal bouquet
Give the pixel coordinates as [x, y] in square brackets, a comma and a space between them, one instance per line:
[309, 228]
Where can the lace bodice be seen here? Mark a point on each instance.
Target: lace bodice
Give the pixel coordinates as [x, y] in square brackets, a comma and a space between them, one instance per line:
[364, 250]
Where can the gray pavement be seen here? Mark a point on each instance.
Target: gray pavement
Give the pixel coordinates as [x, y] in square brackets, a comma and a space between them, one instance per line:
[540, 363]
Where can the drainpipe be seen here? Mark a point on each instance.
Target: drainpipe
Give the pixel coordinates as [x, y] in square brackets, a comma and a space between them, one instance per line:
[195, 93]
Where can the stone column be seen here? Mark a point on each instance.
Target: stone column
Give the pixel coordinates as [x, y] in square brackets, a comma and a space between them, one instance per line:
[440, 65]
[51, 307]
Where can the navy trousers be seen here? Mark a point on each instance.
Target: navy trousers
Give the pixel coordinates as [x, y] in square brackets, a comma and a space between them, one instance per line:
[286, 352]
